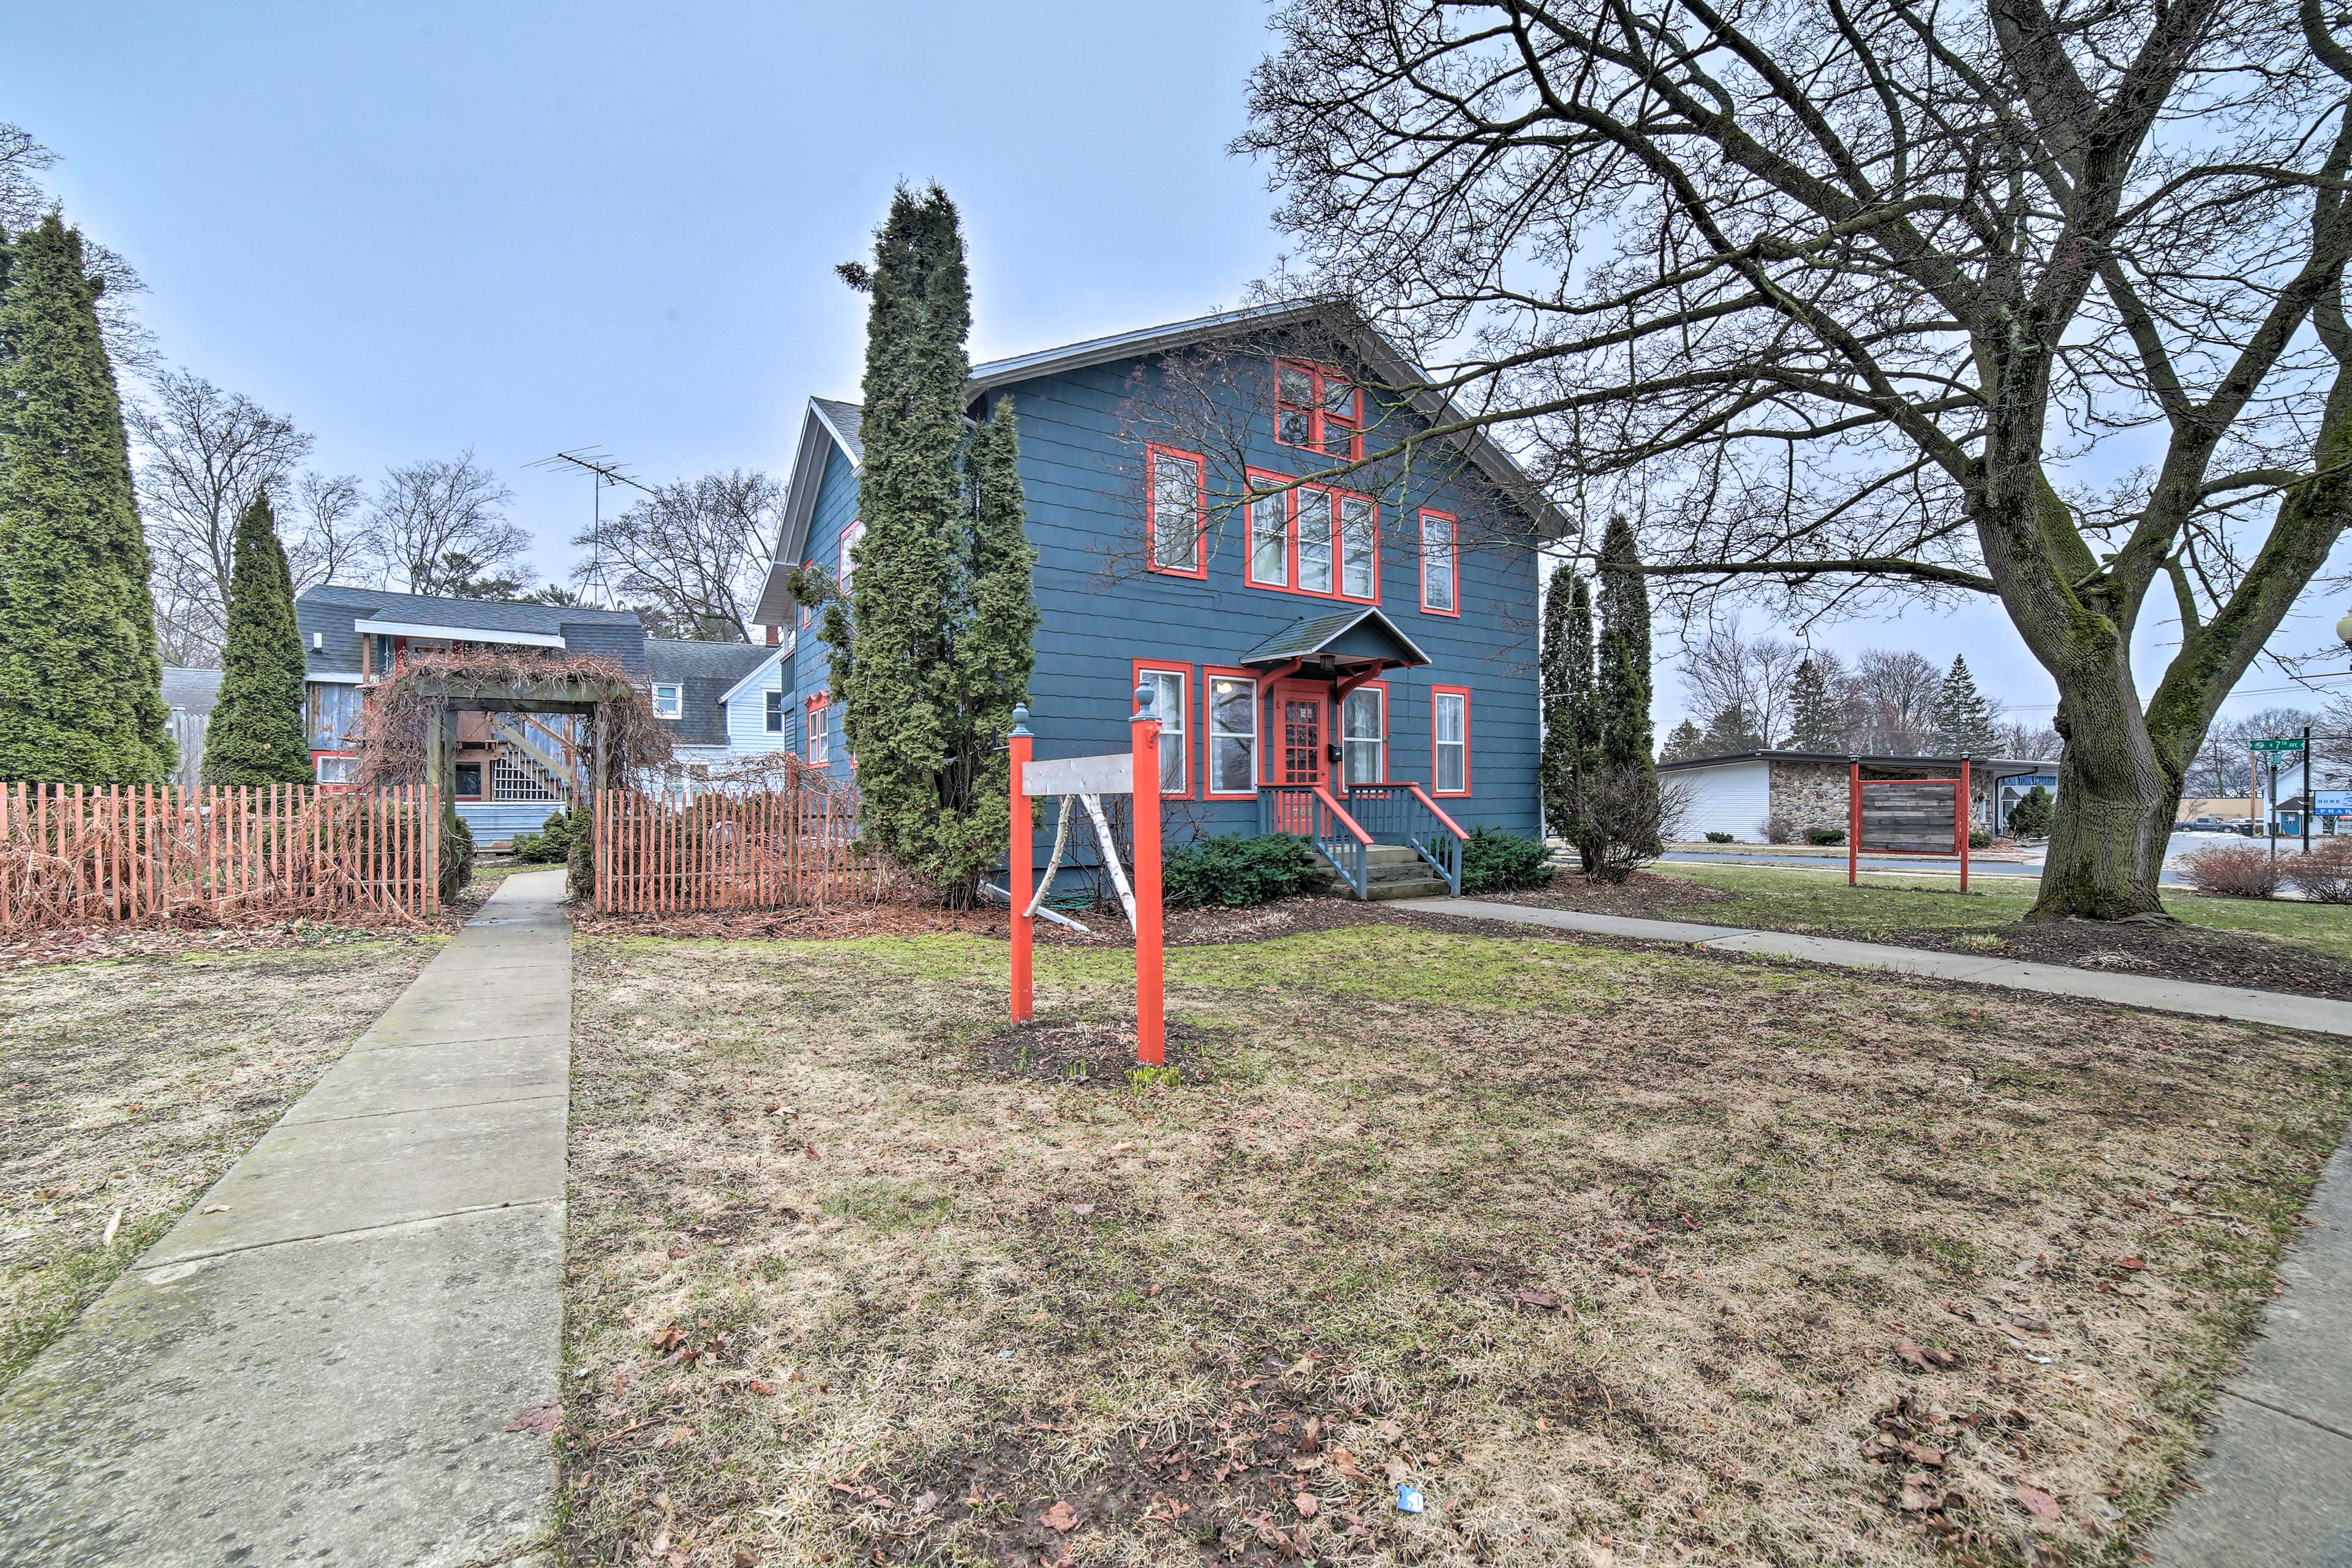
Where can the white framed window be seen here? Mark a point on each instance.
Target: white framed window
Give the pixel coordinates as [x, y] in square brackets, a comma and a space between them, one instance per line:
[670, 699]
[1269, 559]
[1364, 735]
[1180, 540]
[1449, 741]
[1171, 698]
[1233, 735]
[336, 769]
[776, 714]
[1440, 565]
[849, 537]
[1314, 539]
[1359, 548]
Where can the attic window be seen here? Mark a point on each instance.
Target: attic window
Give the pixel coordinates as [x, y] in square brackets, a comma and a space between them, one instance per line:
[670, 699]
[1319, 409]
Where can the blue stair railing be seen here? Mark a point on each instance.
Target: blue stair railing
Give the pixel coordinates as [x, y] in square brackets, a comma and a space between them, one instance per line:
[1403, 813]
[1311, 812]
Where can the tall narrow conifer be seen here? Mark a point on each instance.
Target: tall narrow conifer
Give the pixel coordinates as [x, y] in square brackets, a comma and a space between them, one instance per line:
[257, 735]
[1568, 698]
[1621, 682]
[81, 697]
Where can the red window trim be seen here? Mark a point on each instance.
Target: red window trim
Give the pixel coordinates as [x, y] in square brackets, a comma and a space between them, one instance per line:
[1290, 584]
[319, 783]
[1453, 549]
[1463, 693]
[1152, 453]
[1317, 374]
[1210, 672]
[816, 704]
[1340, 721]
[850, 537]
[1192, 790]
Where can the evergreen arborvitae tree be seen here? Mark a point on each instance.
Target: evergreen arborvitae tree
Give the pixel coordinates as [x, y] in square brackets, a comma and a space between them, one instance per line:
[1568, 703]
[1815, 722]
[1961, 719]
[258, 735]
[1621, 690]
[933, 646]
[1687, 740]
[81, 684]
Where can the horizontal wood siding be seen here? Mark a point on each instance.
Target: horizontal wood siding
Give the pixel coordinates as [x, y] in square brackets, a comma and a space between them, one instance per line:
[811, 662]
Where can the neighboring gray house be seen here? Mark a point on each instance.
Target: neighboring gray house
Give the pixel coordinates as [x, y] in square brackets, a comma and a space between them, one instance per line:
[727, 699]
[190, 695]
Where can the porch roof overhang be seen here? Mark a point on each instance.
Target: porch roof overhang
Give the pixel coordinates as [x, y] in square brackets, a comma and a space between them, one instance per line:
[1348, 640]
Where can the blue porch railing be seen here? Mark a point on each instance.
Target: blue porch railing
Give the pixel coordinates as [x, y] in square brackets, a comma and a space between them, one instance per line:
[1310, 812]
[1403, 813]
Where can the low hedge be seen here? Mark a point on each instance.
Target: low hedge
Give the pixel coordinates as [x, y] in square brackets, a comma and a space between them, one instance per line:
[1234, 870]
[1494, 861]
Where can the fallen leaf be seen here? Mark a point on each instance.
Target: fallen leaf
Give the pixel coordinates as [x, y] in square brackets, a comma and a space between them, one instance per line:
[1061, 1517]
[669, 1339]
[808, 1151]
[1543, 1299]
[1912, 1354]
[925, 1502]
[759, 1386]
[2130, 1263]
[1917, 1497]
[1306, 1505]
[661, 1540]
[1919, 1452]
[1311, 1440]
[538, 1419]
[745, 1558]
[2038, 1503]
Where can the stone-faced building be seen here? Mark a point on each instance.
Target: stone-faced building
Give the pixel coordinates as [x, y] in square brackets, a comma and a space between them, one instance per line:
[1743, 794]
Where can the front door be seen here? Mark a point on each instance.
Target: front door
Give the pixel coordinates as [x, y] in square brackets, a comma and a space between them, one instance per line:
[1301, 710]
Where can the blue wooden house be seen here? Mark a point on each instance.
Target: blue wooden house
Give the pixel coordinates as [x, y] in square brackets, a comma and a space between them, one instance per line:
[1353, 660]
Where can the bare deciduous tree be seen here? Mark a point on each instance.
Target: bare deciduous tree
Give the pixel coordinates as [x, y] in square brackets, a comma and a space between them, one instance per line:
[1891, 693]
[23, 201]
[1858, 301]
[692, 552]
[1723, 670]
[332, 544]
[440, 525]
[202, 454]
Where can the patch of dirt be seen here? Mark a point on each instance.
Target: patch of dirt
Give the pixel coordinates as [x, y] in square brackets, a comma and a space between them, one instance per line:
[1088, 1051]
[1644, 895]
[2161, 949]
[1179, 927]
[193, 934]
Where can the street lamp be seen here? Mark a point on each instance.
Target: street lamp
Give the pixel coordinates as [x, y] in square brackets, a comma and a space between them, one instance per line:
[2344, 631]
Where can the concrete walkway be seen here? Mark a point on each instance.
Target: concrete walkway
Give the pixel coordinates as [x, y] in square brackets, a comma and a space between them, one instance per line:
[321, 1363]
[2276, 1491]
[2318, 1014]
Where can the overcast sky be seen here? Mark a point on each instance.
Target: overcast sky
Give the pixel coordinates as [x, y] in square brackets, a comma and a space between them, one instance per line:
[519, 227]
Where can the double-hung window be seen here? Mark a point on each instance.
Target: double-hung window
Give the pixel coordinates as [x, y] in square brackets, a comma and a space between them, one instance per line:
[1359, 549]
[1269, 556]
[820, 730]
[1315, 541]
[1176, 505]
[1363, 733]
[776, 714]
[1231, 713]
[1440, 585]
[1317, 408]
[1449, 740]
[670, 699]
[849, 537]
[1171, 697]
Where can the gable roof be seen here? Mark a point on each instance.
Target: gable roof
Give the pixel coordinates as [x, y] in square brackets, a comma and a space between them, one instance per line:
[831, 423]
[779, 651]
[191, 691]
[1359, 634]
[329, 617]
[704, 672]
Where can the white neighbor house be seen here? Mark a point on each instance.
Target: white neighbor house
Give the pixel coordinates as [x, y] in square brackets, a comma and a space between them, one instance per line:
[1740, 793]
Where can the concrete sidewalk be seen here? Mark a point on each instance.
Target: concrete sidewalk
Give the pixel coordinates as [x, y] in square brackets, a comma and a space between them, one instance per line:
[324, 1361]
[2318, 1014]
[2276, 1491]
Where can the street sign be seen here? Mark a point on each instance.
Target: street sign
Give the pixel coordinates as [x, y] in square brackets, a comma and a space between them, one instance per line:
[2291, 743]
[2331, 802]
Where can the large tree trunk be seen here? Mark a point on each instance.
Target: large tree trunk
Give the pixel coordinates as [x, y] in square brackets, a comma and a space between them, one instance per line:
[2112, 818]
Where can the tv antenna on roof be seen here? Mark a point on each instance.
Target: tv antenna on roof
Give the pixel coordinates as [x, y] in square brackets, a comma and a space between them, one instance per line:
[606, 472]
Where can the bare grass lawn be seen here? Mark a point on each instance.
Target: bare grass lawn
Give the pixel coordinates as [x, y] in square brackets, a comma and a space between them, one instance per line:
[1616, 1256]
[132, 1084]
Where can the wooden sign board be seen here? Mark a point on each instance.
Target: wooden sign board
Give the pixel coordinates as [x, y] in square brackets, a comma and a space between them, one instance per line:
[1113, 773]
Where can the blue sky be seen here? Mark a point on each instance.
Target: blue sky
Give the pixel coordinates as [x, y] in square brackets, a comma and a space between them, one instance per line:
[525, 227]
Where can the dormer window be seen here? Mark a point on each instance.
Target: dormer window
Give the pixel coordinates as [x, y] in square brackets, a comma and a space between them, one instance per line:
[670, 699]
[1317, 408]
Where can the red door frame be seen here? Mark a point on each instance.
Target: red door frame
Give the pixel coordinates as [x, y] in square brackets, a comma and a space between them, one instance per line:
[1279, 759]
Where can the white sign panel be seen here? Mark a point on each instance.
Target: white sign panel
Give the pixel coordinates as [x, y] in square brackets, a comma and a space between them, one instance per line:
[1112, 774]
[2331, 802]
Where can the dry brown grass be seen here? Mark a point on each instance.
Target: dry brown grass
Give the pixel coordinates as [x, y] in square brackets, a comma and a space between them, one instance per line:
[1619, 1255]
[132, 1085]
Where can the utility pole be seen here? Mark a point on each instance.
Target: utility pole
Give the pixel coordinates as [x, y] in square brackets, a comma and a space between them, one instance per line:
[2306, 789]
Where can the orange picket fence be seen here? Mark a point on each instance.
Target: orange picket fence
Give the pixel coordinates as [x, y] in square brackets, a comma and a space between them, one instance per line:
[746, 848]
[98, 855]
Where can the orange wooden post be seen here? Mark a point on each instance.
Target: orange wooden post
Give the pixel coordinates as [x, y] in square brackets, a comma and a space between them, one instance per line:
[1965, 803]
[1150, 1028]
[1853, 820]
[1024, 850]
